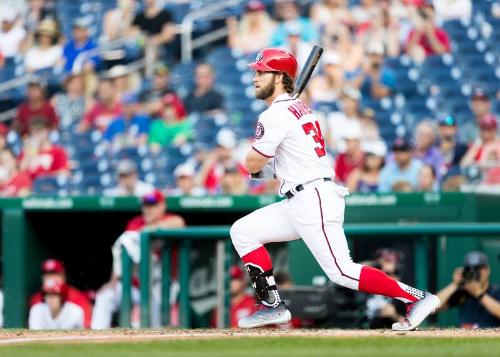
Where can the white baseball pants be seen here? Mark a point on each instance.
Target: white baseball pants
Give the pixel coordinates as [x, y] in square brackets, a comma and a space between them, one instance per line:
[315, 214]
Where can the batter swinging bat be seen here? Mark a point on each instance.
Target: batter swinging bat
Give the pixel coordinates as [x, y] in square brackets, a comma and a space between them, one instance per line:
[307, 70]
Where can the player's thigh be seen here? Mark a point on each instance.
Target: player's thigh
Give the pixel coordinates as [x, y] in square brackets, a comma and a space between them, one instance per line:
[318, 218]
[265, 225]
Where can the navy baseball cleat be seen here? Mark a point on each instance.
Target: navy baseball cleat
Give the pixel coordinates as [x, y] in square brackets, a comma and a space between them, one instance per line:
[417, 312]
[265, 316]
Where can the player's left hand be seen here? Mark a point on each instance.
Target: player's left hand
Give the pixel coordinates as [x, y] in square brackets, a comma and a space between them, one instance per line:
[473, 287]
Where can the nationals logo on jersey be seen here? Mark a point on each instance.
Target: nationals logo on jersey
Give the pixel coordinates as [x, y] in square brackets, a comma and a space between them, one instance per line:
[259, 131]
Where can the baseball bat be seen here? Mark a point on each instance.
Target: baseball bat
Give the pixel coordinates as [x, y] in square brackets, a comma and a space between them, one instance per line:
[307, 70]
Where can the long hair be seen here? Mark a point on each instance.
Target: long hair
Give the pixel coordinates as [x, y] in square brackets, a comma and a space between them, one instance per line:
[288, 83]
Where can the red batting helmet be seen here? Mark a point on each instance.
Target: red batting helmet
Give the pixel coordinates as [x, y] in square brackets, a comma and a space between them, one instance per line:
[275, 60]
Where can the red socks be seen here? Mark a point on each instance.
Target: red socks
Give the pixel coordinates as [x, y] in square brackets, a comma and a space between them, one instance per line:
[374, 281]
[259, 258]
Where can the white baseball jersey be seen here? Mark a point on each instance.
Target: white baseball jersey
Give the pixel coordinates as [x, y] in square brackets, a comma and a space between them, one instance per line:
[289, 133]
[70, 317]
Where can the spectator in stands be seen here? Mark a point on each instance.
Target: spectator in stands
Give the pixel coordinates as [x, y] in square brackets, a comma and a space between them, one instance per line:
[36, 105]
[39, 156]
[427, 179]
[71, 104]
[299, 48]
[54, 272]
[405, 168]
[381, 311]
[12, 34]
[365, 12]
[242, 303]
[215, 162]
[157, 27]
[340, 39]
[426, 149]
[353, 157]
[486, 146]
[47, 52]
[185, 183]
[154, 216]
[365, 179]
[104, 110]
[375, 79]
[204, 98]
[79, 52]
[128, 181]
[130, 129]
[477, 299]
[13, 183]
[254, 30]
[232, 181]
[327, 86]
[447, 10]
[160, 87]
[339, 120]
[328, 12]
[288, 10]
[55, 312]
[172, 128]
[369, 127]
[481, 106]
[385, 28]
[38, 10]
[426, 39]
[116, 22]
[124, 80]
[451, 149]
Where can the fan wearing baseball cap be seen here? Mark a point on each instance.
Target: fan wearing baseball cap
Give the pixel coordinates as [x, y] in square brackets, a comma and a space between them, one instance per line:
[449, 144]
[477, 298]
[404, 169]
[54, 274]
[480, 104]
[154, 216]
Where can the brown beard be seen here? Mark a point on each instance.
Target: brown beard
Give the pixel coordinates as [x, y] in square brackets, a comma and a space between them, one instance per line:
[265, 92]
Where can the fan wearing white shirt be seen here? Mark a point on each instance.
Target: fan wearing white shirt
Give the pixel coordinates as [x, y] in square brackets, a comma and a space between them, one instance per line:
[46, 53]
[12, 35]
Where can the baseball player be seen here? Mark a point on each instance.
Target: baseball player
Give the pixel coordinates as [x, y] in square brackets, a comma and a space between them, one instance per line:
[288, 143]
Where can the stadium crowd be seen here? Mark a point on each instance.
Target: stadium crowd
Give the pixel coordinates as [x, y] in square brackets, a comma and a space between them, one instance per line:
[91, 121]
[116, 108]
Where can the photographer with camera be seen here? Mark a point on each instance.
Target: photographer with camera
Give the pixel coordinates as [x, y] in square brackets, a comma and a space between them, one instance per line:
[470, 290]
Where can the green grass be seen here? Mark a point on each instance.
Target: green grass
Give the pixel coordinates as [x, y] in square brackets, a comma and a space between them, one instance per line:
[268, 347]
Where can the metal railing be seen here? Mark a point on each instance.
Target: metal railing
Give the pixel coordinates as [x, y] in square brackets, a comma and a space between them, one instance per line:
[421, 232]
[188, 44]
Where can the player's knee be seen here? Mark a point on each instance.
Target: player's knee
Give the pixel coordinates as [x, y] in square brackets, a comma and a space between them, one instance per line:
[237, 231]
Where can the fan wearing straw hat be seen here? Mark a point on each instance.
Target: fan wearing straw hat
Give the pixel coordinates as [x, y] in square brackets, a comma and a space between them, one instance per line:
[47, 52]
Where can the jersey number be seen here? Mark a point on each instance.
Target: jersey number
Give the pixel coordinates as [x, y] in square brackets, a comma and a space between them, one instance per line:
[317, 136]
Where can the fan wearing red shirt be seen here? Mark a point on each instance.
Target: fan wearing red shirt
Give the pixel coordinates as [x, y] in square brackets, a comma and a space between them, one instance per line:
[102, 113]
[242, 303]
[53, 271]
[353, 156]
[426, 39]
[36, 106]
[154, 216]
[39, 156]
